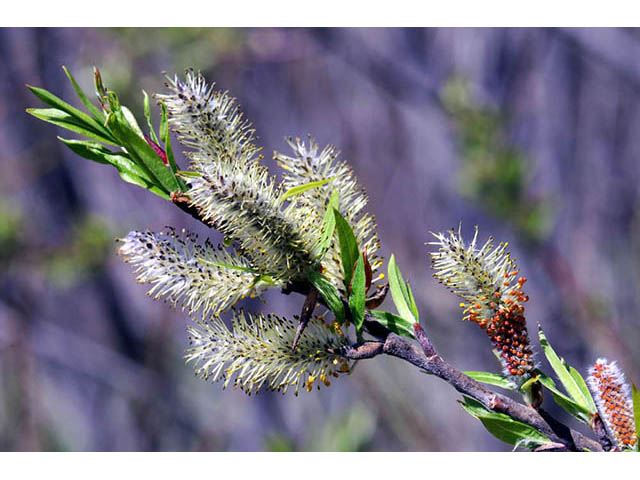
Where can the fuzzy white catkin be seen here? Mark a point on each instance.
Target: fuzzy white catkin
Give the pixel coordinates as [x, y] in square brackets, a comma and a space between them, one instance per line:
[276, 238]
[256, 351]
[188, 275]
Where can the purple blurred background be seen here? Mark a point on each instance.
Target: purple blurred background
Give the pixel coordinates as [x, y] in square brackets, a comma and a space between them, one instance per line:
[532, 134]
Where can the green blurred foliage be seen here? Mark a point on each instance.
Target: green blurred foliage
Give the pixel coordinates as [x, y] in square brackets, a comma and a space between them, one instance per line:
[350, 431]
[10, 226]
[135, 52]
[89, 244]
[494, 172]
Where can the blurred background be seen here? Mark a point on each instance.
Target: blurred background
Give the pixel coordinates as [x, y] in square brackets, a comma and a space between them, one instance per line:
[530, 134]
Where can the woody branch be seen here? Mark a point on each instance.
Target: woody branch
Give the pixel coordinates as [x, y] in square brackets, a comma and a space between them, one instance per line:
[423, 355]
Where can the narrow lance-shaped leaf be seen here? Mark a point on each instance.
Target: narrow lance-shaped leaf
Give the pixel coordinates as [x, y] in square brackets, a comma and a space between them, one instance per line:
[128, 170]
[128, 177]
[88, 149]
[329, 294]
[68, 122]
[328, 225]
[492, 379]
[395, 323]
[400, 293]
[80, 117]
[147, 115]
[577, 410]
[635, 394]
[131, 120]
[357, 296]
[348, 246]
[165, 134]
[564, 375]
[307, 186]
[137, 146]
[95, 111]
[582, 385]
[504, 427]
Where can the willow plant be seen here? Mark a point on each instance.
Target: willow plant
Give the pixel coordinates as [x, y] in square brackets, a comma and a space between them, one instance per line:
[309, 233]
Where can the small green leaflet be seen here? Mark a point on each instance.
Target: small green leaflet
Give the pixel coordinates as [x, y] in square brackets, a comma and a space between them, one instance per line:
[230, 266]
[357, 297]
[582, 385]
[298, 189]
[131, 120]
[140, 182]
[635, 394]
[98, 153]
[396, 324]
[504, 427]
[139, 149]
[329, 294]
[166, 139]
[64, 120]
[473, 407]
[572, 381]
[580, 412]
[138, 163]
[328, 225]
[492, 379]
[401, 293]
[81, 117]
[90, 150]
[147, 115]
[128, 170]
[189, 174]
[348, 247]
[95, 111]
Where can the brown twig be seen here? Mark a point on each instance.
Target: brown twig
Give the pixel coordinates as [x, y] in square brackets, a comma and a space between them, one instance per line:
[307, 310]
[413, 353]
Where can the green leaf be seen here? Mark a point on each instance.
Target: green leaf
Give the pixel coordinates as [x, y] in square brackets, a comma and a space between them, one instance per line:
[230, 266]
[410, 300]
[164, 122]
[513, 432]
[95, 111]
[401, 293]
[297, 190]
[492, 379]
[128, 170]
[147, 115]
[140, 150]
[64, 120]
[79, 116]
[165, 134]
[135, 180]
[133, 123]
[396, 324]
[635, 394]
[357, 297]
[329, 294]
[504, 427]
[348, 246]
[328, 225]
[88, 149]
[474, 407]
[582, 385]
[580, 412]
[560, 367]
[189, 174]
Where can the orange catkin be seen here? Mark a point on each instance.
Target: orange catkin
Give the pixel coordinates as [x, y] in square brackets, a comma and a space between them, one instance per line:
[611, 395]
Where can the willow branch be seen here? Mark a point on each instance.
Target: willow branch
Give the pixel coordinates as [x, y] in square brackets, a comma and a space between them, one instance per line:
[413, 353]
[422, 354]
